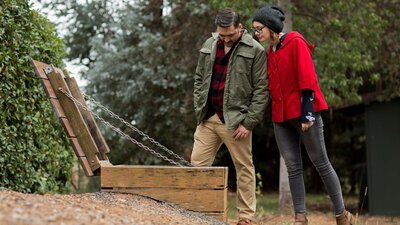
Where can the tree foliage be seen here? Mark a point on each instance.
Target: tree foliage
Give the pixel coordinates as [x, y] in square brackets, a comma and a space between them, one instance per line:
[34, 156]
[346, 37]
[387, 56]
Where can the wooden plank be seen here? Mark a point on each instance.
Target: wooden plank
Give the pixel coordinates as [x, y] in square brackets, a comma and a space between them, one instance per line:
[76, 147]
[88, 118]
[225, 215]
[200, 200]
[75, 118]
[40, 71]
[59, 71]
[39, 68]
[125, 176]
[105, 163]
[85, 166]
[226, 202]
[67, 127]
[57, 108]
[47, 87]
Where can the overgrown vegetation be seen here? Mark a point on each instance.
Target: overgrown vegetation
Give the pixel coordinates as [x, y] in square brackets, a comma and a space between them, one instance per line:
[34, 156]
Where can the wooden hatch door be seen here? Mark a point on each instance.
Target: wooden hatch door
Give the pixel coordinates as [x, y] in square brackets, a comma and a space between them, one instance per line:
[199, 189]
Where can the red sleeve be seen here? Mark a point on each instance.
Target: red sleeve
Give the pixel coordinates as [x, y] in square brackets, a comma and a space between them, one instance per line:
[304, 64]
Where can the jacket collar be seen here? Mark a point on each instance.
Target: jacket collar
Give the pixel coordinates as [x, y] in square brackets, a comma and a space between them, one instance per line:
[294, 34]
[288, 38]
[246, 39]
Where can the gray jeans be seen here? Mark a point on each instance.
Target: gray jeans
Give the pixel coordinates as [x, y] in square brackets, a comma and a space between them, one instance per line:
[288, 135]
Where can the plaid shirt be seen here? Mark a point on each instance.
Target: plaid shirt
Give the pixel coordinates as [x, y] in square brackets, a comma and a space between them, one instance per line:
[216, 93]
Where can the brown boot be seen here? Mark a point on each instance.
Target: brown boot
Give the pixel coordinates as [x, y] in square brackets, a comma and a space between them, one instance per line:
[300, 219]
[346, 218]
[244, 221]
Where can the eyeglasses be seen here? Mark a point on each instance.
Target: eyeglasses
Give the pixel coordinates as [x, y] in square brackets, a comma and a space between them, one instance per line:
[257, 30]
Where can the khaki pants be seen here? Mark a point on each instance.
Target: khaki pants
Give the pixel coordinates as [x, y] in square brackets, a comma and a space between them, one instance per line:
[208, 138]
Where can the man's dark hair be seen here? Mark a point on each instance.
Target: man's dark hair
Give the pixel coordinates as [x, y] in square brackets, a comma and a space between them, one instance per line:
[227, 18]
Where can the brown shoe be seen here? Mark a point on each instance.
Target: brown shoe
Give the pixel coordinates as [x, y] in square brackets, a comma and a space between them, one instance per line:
[300, 219]
[346, 218]
[244, 221]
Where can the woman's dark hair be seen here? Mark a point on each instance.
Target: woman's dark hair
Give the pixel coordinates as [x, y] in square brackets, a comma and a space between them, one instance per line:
[227, 18]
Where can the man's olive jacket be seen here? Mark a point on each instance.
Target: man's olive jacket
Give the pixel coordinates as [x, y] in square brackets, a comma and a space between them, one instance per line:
[246, 85]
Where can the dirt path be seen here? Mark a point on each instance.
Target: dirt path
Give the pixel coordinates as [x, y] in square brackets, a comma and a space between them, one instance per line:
[103, 208]
[92, 208]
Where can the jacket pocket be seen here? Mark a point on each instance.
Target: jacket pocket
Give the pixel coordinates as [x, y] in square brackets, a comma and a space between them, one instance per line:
[241, 84]
[204, 62]
[244, 62]
[237, 110]
[239, 104]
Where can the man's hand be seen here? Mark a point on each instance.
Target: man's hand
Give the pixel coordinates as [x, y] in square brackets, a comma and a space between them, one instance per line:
[307, 125]
[240, 132]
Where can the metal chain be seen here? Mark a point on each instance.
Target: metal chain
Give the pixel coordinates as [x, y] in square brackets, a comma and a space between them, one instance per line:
[152, 151]
[115, 116]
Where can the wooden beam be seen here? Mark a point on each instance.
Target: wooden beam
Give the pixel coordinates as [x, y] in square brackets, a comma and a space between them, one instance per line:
[74, 117]
[85, 166]
[199, 200]
[58, 110]
[88, 118]
[67, 127]
[47, 87]
[200, 189]
[39, 68]
[77, 147]
[163, 177]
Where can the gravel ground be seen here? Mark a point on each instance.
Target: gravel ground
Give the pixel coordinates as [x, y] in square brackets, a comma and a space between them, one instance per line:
[105, 208]
[92, 208]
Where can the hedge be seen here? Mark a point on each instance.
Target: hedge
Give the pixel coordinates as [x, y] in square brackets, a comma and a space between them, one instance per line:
[35, 155]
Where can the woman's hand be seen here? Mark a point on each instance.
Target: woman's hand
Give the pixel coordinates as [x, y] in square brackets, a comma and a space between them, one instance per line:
[307, 125]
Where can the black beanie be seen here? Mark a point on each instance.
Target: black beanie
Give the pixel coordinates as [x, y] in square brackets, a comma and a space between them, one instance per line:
[272, 17]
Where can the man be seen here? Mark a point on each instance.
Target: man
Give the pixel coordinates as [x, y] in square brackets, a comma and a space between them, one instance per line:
[230, 96]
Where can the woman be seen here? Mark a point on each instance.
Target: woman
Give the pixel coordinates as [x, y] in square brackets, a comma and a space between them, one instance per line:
[296, 105]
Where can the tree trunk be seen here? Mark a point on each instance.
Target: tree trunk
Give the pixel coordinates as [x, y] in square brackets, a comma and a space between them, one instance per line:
[285, 198]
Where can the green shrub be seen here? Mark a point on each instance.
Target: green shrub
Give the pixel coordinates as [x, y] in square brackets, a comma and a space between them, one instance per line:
[34, 153]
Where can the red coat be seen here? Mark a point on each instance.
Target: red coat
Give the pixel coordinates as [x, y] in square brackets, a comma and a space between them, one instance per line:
[290, 70]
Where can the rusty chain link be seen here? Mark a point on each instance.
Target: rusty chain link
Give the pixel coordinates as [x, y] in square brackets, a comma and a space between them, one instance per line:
[123, 134]
[115, 116]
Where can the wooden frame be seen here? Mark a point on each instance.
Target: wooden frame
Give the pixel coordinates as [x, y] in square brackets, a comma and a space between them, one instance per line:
[199, 189]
